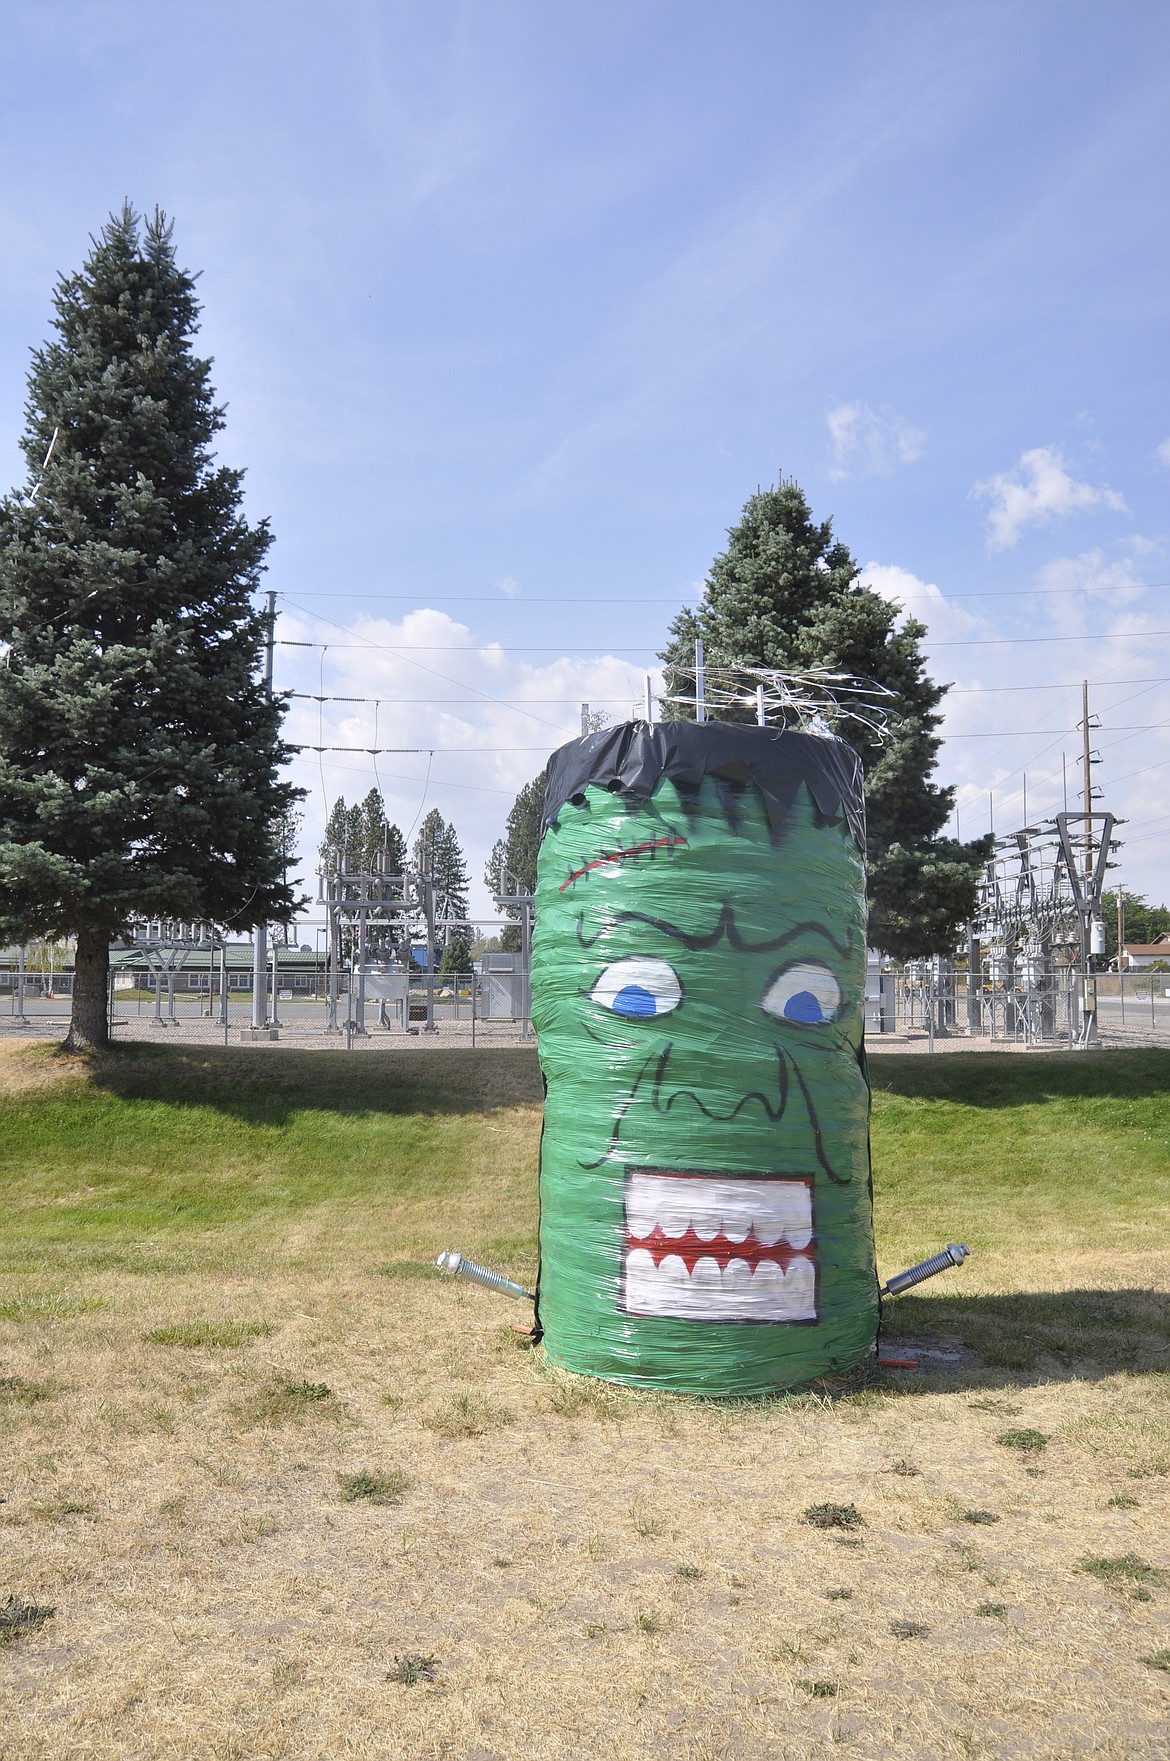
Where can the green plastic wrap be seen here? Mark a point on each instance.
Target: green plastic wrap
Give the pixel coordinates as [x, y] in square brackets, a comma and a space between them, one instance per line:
[698, 972]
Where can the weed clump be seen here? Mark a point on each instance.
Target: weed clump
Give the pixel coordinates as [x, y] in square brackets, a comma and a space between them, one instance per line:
[1030, 1442]
[413, 1668]
[994, 1610]
[18, 1391]
[980, 1516]
[692, 1573]
[1124, 1571]
[819, 1690]
[18, 1617]
[469, 1415]
[833, 1516]
[373, 1488]
[284, 1402]
[908, 1629]
[1159, 1659]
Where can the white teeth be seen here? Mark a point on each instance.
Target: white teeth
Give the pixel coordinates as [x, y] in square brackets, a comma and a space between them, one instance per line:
[711, 1293]
[774, 1210]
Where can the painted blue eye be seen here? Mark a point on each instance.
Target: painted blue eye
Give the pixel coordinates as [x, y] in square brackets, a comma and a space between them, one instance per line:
[638, 989]
[806, 994]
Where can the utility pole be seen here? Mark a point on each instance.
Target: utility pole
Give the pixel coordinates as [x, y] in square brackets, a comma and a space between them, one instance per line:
[1087, 762]
[260, 1024]
[1120, 923]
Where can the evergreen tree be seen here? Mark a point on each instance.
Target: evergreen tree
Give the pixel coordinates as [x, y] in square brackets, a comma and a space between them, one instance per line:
[139, 748]
[786, 594]
[437, 852]
[456, 956]
[342, 838]
[451, 879]
[511, 867]
[362, 839]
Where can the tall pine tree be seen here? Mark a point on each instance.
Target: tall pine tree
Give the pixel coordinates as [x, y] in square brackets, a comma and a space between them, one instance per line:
[360, 839]
[437, 852]
[139, 748]
[786, 594]
[511, 867]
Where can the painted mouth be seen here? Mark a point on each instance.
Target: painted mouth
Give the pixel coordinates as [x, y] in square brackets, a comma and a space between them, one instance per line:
[719, 1247]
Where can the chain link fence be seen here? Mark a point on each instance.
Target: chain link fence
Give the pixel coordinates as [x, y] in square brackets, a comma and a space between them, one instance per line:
[934, 1007]
[940, 1007]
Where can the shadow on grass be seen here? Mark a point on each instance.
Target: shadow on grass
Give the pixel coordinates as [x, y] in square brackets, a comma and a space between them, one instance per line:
[1037, 1336]
[1016, 1079]
[267, 1087]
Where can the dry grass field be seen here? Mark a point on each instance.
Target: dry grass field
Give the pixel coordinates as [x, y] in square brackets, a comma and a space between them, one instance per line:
[288, 1493]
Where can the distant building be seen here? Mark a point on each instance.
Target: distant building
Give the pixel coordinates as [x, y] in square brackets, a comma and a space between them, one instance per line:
[1140, 956]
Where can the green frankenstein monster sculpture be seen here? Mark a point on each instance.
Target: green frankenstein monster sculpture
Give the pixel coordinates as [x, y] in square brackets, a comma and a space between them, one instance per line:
[698, 970]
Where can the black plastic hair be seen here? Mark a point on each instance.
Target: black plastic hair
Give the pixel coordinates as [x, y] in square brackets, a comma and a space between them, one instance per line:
[633, 757]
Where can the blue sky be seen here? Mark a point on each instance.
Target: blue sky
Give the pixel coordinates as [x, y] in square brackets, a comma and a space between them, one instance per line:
[512, 305]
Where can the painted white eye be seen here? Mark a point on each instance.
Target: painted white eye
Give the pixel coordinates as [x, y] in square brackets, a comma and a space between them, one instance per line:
[806, 994]
[638, 989]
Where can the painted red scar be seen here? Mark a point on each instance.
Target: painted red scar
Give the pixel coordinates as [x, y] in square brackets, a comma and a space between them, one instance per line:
[719, 1247]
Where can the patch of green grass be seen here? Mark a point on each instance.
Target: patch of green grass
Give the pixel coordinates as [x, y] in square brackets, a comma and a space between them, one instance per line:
[1028, 1441]
[469, 1415]
[1122, 1501]
[282, 1402]
[690, 1573]
[980, 1516]
[1124, 1571]
[20, 1391]
[839, 1594]
[833, 1516]
[373, 1487]
[57, 1509]
[993, 1610]
[159, 1141]
[47, 1306]
[18, 1617]
[648, 1621]
[411, 1271]
[211, 1335]
[819, 1690]
[1158, 1660]
[962, 1110]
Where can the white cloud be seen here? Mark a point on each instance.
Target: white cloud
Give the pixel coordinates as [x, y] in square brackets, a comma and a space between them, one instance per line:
[509, 586]
[1079, 585]
[869, 441]
[1164, 452]
[490, 718]
[920, 599]
[1038, 492]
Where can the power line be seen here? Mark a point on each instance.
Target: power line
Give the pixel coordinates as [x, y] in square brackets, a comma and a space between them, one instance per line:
[1061, 734]
[562, 648]
[596, 599]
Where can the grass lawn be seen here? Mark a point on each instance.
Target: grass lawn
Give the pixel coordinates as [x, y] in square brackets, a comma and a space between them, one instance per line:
[287, 1492]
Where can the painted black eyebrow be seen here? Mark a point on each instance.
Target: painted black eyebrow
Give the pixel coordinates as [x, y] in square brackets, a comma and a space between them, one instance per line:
[724, 927]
